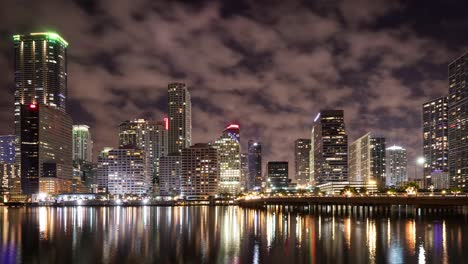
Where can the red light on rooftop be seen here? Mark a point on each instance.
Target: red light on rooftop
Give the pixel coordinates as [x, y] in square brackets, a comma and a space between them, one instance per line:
[232, 126]
[32, 106]
[166, 123]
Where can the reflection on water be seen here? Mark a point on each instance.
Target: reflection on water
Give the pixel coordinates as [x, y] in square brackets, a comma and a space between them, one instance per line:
[223, 235]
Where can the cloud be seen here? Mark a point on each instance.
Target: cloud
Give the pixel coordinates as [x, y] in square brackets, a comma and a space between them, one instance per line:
[270, 67]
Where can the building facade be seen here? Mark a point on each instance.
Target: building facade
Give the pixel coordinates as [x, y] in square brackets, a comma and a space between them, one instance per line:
[102, 171]
[46, 150]
[40, 75]
[180, 118]
[254, 153]
[169, 175]
[435, 140]
[278, 174]
[82, 144]
[200, 172]
[396, 166]
[329, 148]
[301, 161]
[7, 149]
[367, 159]
[126, 170]
[228, 147]
[458, 122]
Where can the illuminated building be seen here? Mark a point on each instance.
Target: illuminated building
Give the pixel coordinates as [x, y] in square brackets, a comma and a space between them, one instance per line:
[200, 172]
[180, 118]
[301, 161]
[10, 182]
[458, 122]
[126, 172]
[255, 165]
[102, 178]
[367, 159]
[46, 150]
[278, 174]
[169, 175]
[40, 74]
[329, 148]
[396, 166]
[7, 149]
[435, 140]
[149, 136]
[244, 170]
[82, 144]
[228, 146]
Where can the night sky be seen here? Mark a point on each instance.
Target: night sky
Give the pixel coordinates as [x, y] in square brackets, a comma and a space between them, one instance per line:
[270, 65]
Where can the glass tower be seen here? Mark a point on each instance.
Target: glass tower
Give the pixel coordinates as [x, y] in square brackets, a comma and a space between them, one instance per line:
[329, 148]
[180, 118]
[458, 122]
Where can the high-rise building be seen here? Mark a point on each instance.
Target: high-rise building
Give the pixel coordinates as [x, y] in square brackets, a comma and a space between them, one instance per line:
[180, 118]
[169, 175]
[435, 141]
[228, 147]
[244, 170]
[102, 177]
[200, 172]
[149, 136]
[156, 147]
[82, 144]
[7, 149]
[127, 172]
[46, 150]
[458, 122]
[278, 174]
[255, 165]
[301, 161]
[396, 166]
[329, 148]
[367, 159]
[40, 75]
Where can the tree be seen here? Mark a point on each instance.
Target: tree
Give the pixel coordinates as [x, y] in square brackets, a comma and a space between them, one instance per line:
[348, 190]
[411, 188]
[363, 190]
[455, 190]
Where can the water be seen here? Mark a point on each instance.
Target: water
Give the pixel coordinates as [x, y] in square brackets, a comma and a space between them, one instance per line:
[224, 235]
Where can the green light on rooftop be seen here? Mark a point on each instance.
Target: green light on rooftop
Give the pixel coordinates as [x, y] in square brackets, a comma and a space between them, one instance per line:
[16, 37]
[52, 36]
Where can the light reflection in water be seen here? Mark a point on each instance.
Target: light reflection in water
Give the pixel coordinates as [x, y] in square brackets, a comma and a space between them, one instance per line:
[203, 234]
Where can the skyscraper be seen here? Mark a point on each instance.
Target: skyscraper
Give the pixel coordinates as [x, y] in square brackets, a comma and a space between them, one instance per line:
[180, 118]
[458, 122]
[278, 174]
[329, 148]
[396, 166]
[127, 172]
[169, 175]
[200, 172]
[157, 147]
[7, 149]
[102, 176]
[8, 172]
[228, 147]
[255, 165]
[435, 141]
[301, 160]
[367, 159]
[46, 150]
[40, 74]
[82, 144]
[148, 136]
[244, 170]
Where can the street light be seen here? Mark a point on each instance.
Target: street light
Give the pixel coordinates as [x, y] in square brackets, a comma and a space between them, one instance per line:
[420, 160]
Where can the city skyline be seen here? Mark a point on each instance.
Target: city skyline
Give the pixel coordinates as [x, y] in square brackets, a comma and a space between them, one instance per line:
[134, 91]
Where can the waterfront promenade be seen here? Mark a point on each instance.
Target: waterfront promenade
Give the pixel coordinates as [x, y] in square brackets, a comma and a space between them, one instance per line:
[416, 201]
